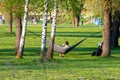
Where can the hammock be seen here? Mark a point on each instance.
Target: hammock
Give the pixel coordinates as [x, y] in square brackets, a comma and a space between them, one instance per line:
[60, 49]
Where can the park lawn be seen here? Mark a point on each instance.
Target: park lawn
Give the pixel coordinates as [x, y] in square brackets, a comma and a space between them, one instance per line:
[76, 65]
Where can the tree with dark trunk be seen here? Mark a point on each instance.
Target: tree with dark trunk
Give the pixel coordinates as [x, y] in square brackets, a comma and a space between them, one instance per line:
[10, 22]
[106, 28]
[114, 32]
[18, 32]
[76, 20]
[74, 8]
[115, 29]
[7, 7]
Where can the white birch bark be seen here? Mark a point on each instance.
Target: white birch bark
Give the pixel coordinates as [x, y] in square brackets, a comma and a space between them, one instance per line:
[44, 30]
[22, 39]
[53, 31]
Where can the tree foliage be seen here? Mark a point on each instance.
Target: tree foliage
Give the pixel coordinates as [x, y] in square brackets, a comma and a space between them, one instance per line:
[94, 7]
[14, 6]
[73, 8]
[37, 5]
[7, 5]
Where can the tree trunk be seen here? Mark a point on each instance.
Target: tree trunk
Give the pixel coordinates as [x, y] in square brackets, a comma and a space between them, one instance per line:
[22, 38]
[18, 33]
[10, 23]
[106, 35]
[115, 30]
[75, 21]
[78, 20]
[44, 31]
[106, 29]
[52, 36]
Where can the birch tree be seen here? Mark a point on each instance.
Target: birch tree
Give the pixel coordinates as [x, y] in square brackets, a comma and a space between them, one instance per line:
[44, 30]
[53, 31]
[18, 13]
[22, 39]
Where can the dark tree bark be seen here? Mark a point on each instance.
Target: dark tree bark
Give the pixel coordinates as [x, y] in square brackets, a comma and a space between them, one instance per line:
[115, 30]
[75, 21]
[50, 49]
[78, 20]
[10, 22]
[18, 32]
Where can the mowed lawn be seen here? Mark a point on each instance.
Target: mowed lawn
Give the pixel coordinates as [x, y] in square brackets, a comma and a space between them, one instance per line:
[78, 64]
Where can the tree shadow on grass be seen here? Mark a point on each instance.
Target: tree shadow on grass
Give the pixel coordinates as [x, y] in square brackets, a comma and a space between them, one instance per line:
[33, 63]
[6, 34]
[36, 51]
[84, 49]
[79, 34]
[6, 52]
[116, 50]
[27, 51]
[70, 34]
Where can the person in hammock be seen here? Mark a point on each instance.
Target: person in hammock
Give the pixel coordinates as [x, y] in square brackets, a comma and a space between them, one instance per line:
[64, 49]
[65, 46]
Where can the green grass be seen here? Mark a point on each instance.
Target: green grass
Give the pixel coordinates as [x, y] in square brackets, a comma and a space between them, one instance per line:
[76, 65]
